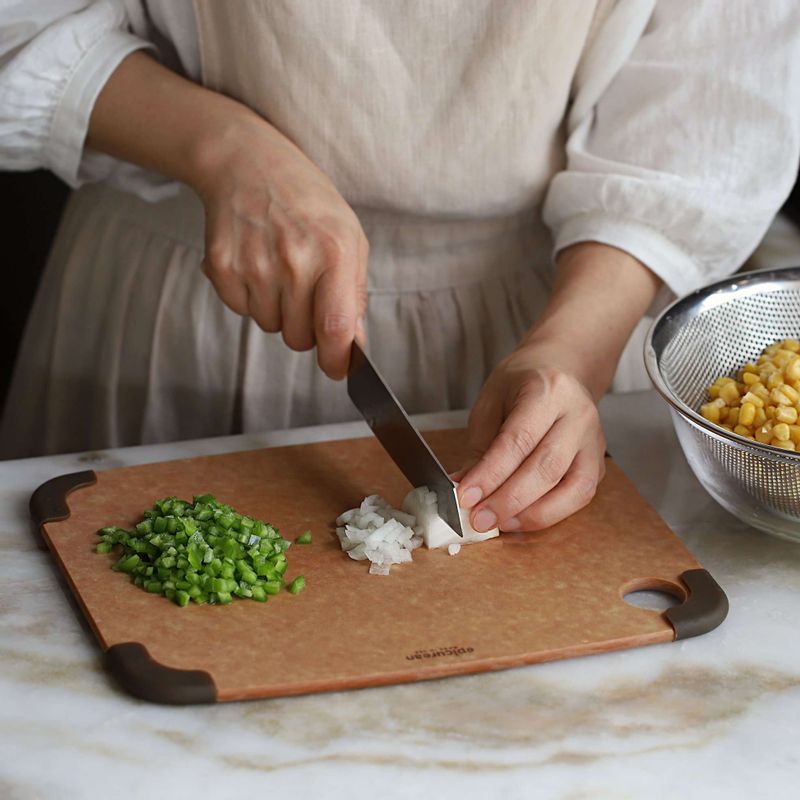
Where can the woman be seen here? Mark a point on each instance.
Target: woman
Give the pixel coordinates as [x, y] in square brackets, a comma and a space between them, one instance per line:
[461, 143]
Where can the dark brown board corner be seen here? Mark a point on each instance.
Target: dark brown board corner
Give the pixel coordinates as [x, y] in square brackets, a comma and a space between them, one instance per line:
[130, 663]
[48, 503]
[705, 608]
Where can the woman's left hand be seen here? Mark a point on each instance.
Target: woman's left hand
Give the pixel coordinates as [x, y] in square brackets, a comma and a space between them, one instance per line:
[537, 445]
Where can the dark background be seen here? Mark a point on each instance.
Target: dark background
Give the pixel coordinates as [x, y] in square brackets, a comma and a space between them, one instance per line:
[34, 202]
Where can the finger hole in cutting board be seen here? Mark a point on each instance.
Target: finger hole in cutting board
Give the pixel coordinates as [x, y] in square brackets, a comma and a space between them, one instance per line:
[653, 594]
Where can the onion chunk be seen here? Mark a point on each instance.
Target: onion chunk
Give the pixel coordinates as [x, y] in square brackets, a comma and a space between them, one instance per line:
[383, 535]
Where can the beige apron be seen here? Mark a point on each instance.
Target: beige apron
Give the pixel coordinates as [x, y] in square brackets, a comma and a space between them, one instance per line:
[440, 123]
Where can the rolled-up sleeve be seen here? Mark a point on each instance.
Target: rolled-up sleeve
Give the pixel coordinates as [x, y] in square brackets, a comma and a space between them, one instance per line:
[55, 58]
[689, 150]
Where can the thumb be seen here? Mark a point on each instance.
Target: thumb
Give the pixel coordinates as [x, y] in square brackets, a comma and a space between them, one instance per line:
[485, 420]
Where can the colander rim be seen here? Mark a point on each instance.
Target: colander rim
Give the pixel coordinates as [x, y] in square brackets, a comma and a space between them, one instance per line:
[717, 292]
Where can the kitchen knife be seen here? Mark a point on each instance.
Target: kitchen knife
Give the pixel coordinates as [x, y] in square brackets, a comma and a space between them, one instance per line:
[401, 440]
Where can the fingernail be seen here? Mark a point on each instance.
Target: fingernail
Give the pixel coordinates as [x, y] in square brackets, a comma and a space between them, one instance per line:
[484, 520]
[510, 524]
[471, 496]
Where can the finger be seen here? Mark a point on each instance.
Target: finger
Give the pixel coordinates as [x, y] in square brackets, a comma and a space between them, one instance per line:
[339, 302]
[485, 419]
[262, 284]
[297, 312]
[535, 476]
[574, 492]
[521, 432]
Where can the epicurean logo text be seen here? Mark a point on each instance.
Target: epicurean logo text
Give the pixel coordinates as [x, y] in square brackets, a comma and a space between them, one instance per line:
[438, 652]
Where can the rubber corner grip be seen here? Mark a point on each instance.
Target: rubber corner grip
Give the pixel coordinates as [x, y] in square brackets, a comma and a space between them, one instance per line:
[130, 663]
[705, 608]
[49, 502]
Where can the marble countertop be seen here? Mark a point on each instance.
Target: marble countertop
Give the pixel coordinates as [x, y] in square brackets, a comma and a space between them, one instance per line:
[715, 716]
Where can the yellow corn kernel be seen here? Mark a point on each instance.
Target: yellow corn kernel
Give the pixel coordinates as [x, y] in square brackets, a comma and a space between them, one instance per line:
[713, 392]
[779, 397]
[733, 415]
[763, 434]
[723, 414]
[790, 392]
[744, 431]
[710, 412]
[783, 357]
[792, 370]
[760, 418]
[730, 393]
[774, 380]
[781, 432]
[786, 445]
[772, 349]
[747, 413]
[791, 344]
[794, 433]
[750, 367]
[759, 390]
[757, 401]
[770, 412]
[750, 378]
[785, 414]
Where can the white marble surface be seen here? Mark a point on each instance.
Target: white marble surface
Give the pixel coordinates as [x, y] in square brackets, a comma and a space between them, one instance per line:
[714, 717]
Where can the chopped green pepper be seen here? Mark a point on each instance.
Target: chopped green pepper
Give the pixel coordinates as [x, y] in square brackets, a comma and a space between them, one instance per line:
[203, 551]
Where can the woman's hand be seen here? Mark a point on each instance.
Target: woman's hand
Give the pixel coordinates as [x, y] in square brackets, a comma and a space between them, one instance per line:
[538, 448]
[282, 245]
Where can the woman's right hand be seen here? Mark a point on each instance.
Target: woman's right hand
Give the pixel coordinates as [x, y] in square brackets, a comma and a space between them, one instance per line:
[282, 245]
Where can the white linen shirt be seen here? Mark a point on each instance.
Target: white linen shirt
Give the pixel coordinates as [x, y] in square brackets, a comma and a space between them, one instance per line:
[684, 128]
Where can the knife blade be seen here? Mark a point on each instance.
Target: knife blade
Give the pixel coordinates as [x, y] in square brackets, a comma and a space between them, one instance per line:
[382, 411]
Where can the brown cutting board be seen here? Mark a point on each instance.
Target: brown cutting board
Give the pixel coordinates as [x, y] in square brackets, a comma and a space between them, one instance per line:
[519, 599]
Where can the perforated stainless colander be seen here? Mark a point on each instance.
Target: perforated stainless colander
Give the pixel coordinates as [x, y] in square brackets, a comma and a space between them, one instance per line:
[711, 333]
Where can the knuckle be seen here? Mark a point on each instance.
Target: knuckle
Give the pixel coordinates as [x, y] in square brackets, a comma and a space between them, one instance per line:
[511, 503]
[336, 326]
[489, 472]
[584, 489]
[518, 442]
[334, 245]
[550, 467]
[217, 256]
[287, 249]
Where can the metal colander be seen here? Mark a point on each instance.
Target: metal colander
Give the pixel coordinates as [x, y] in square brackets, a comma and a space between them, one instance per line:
[711, 333]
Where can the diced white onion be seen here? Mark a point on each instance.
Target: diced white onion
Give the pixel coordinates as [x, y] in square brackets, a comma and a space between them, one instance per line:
[383, 535]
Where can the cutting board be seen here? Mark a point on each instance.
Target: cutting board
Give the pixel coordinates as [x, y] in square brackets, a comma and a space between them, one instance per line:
[519, 599]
